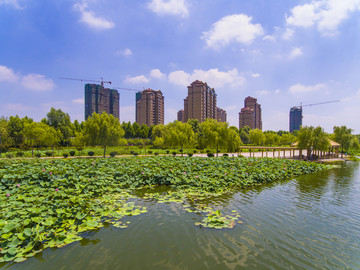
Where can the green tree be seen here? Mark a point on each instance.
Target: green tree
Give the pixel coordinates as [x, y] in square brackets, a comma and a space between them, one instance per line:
[257, 136]
[287, 139]
[78, 141]
[15, 129]
[157, 132]
[271, 138]
[244, 134]
[195, 125]
[60, 121]
[103, 129]
[312, 139]
[144, 131]
[343, 136]
[178, 134]
[5, 140]
[218, 135]
[129, 130]
[137, 129]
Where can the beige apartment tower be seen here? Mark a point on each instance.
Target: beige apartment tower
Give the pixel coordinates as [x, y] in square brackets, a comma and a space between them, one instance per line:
[250, 115]
[200, 103]
[150, 107]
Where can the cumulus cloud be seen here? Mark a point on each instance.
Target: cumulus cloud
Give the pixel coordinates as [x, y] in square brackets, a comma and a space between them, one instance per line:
[37, 82]
[88, 17]
[326, 15]
[255, 75]
[13, 3]
[157, 74]
[233, 28]
[296, 52]
[299, 88]
[169, 7]
[127, 52]
[289, 33]
[213, 77]
[137, 79]
[7, 74]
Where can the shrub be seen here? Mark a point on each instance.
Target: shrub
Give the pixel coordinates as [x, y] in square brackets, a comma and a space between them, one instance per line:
[113, 154]
[79, 148]
[207, 151]
[19, 154]
[49, 153]
[156, 153]
[194, 151]
[37, 155]
[167, 151]
[72, 153]
[181, 150]
[174, 153]
[91, 153]
[210, 154]
[132, 152]
[9, 155]
[150, 152]
[190, 154]
[65, 155]
[135, 153]
[225, 155]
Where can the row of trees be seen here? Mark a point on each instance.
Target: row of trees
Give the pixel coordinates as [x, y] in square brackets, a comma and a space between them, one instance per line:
[105, 130]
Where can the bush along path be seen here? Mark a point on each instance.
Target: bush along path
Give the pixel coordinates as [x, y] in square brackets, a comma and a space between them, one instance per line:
[51, 203]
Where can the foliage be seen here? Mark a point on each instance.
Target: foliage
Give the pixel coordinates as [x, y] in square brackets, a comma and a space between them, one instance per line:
[313, 139]
[104, 130]
[343, 136]
[91, 153]
[51, 203]
[61, 122]
[179, 135]
[257, 136]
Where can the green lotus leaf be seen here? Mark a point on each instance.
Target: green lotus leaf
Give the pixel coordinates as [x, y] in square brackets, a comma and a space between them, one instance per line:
[20, 259]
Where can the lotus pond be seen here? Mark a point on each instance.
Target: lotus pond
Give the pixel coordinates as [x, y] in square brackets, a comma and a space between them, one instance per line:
[53, 203]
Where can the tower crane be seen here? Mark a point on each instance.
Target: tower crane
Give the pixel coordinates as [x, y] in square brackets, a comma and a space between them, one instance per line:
[85, 80]
[296, 114]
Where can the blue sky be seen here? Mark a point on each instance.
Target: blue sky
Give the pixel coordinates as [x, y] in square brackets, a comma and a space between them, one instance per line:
[280, 52]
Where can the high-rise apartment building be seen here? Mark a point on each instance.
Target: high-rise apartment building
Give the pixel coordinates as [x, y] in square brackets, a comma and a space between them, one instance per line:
[150, 107]
[200, 103]
[180, 115]
[220, 115]
[250, 115]
[99, 99]
[295, 118]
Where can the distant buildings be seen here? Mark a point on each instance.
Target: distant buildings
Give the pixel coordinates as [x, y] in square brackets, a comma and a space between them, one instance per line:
[99, 99]
[150, 107]
[200, 103]
[250, 115]
[295, 118]
[221, 115]
[180, 115]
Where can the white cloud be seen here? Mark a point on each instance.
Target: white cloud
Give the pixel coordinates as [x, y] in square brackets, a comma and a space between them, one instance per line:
[277, 91]
[37, 82]
[13, 3]
[262, 92]
[157, 74]
[299, 88]
[296, 52]
[289, 33]
[169, 7]
[213, 77]
[137, 79]
[255, 75]
[88, 17]
[326, 15]
[268, 37]
[233, 28]
[78, 101]
[7, 74]
[127, 52]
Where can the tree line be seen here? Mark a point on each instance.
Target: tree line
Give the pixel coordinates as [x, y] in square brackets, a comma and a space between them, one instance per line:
[56, 129]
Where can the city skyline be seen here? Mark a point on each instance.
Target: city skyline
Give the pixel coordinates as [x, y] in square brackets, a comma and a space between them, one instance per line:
[284, 54]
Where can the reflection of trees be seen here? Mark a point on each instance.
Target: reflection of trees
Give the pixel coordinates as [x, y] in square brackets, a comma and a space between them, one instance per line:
[335, 182]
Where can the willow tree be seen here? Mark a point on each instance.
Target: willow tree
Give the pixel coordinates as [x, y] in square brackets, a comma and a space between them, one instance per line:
[313, 139]
[343, 136]
[218, 135]
[102, 129]
[178, 134]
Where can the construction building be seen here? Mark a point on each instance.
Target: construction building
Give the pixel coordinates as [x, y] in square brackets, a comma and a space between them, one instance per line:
[200, 102]
[295, 118]
[250, 115]
[150, 107]
[99, 99]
